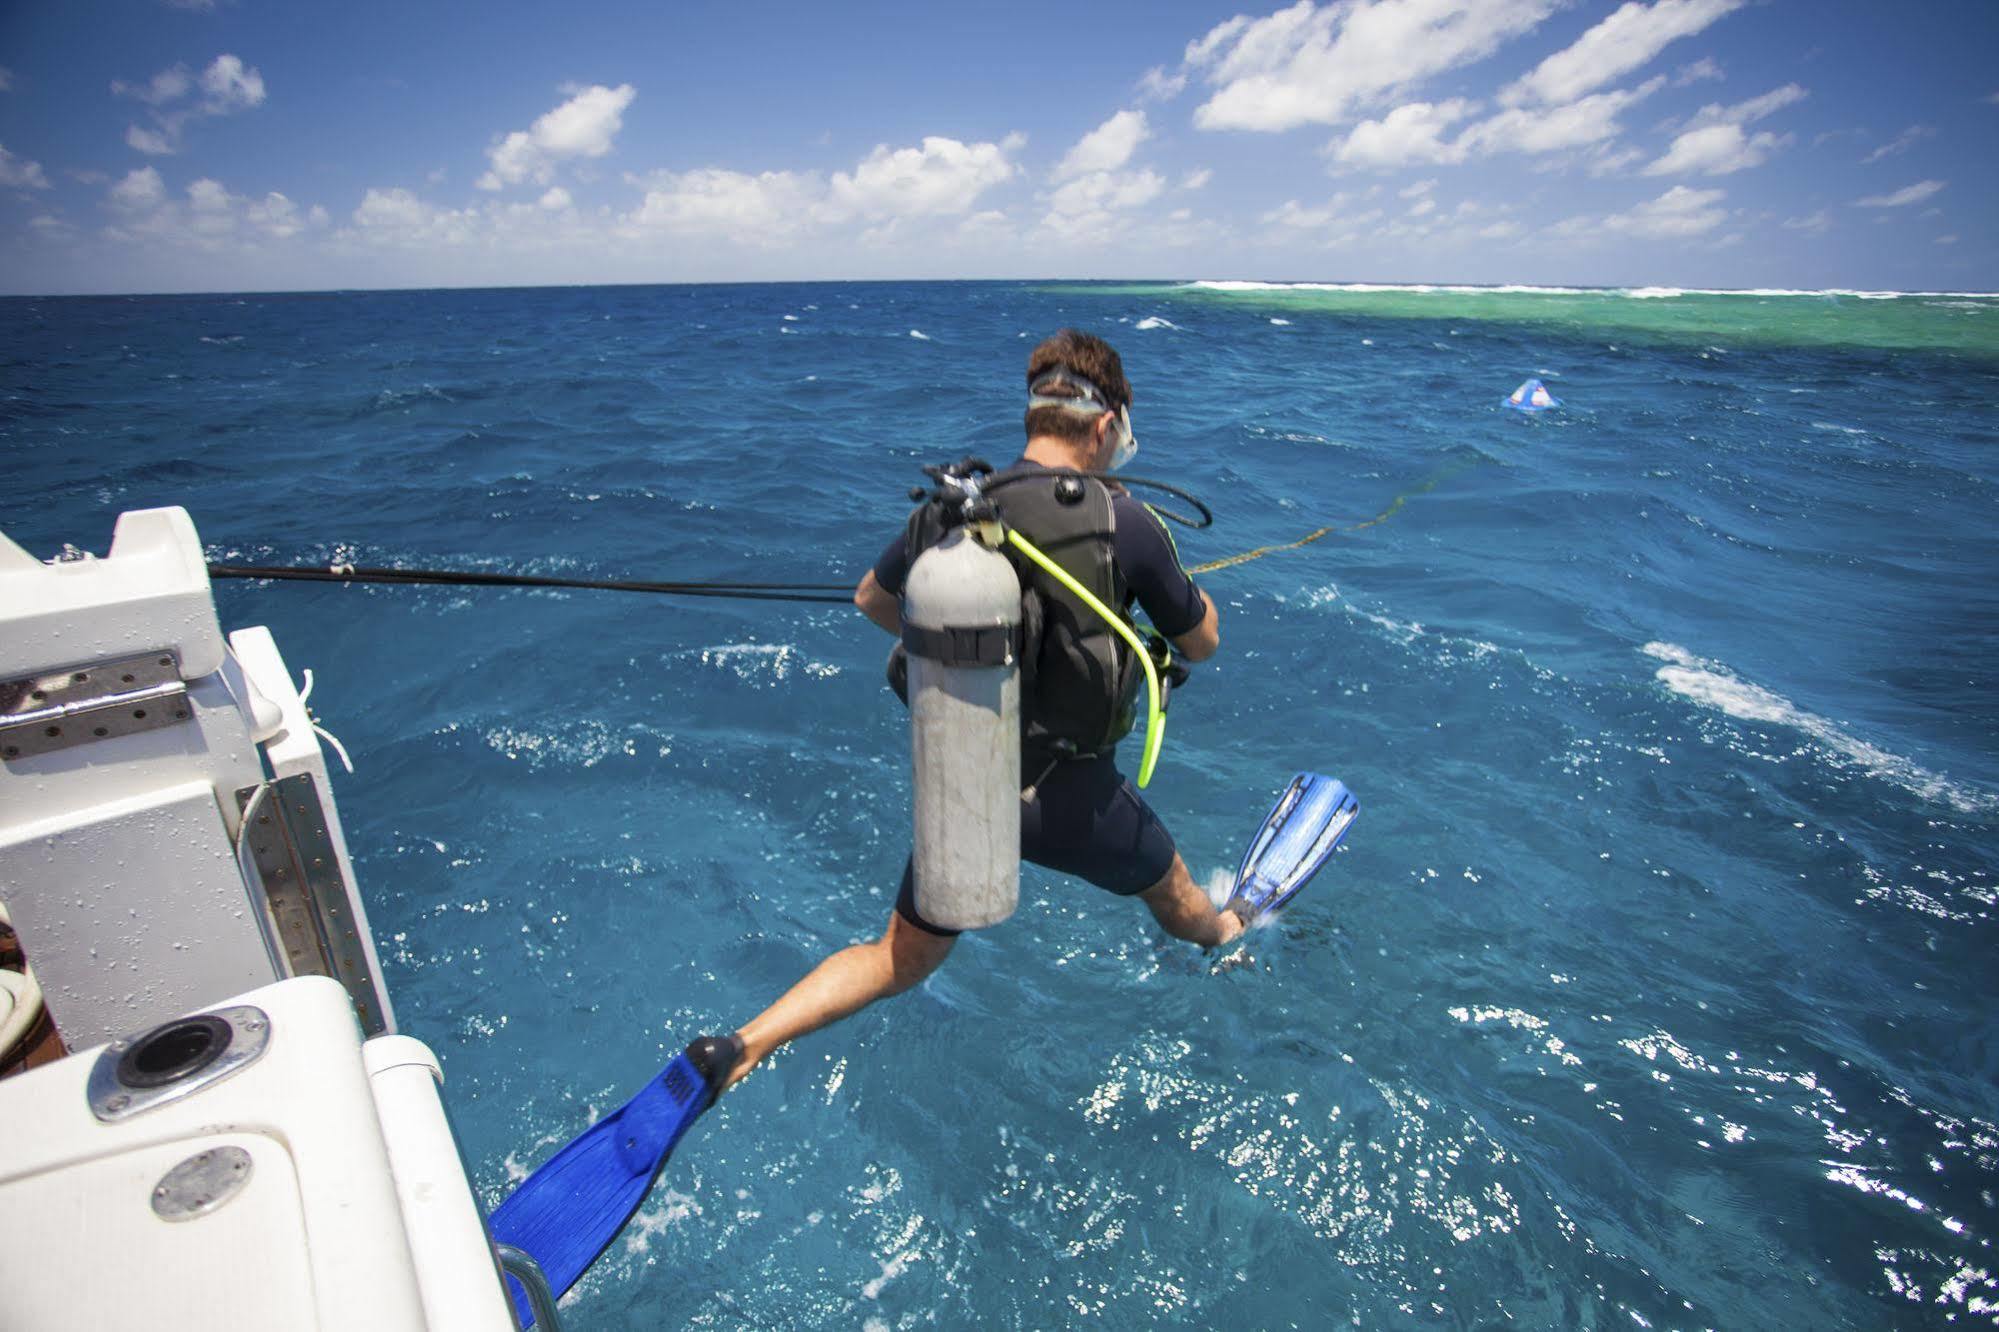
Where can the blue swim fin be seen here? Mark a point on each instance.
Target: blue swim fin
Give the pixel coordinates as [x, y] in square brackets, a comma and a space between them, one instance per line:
[1301, 832]
[565, 1213]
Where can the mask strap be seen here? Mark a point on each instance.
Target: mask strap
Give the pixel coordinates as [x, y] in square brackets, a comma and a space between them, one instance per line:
[1089, 399]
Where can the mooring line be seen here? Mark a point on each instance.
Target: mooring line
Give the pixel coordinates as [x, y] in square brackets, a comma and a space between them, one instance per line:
[1434, 480]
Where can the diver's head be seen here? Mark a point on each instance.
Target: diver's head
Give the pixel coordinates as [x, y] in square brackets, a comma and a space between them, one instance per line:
[1078, 395]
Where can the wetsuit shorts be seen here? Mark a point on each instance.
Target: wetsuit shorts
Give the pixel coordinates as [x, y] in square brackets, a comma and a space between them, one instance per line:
[1087, 820]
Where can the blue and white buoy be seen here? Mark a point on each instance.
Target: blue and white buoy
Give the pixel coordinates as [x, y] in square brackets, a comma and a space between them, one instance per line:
[1532, 397]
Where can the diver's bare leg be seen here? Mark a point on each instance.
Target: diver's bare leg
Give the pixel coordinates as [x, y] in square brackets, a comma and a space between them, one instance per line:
[1185, 912]
[842, 985]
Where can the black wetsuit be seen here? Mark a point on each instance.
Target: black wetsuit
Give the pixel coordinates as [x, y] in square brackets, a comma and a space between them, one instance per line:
[1087, 819]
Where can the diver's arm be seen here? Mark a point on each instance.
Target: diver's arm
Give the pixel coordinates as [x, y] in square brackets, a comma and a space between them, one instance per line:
[1200, 642]
[885, 608]
[1151, 566]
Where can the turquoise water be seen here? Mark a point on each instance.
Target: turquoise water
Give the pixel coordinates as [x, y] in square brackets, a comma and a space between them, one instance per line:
[1654, 985]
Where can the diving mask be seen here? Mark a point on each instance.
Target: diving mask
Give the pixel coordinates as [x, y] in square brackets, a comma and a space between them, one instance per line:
[1127, 443]
[1088, 399]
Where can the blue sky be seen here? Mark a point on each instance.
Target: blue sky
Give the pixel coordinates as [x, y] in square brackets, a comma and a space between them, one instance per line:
[211, 145]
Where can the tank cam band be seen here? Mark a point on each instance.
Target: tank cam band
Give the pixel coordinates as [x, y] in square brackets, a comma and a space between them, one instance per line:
[964, 645]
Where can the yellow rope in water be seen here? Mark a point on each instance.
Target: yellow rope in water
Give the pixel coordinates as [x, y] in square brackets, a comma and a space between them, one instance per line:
[1436, 479]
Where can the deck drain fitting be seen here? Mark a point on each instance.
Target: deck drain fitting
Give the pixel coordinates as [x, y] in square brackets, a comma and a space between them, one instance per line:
[177, 1050]
[175, 1059]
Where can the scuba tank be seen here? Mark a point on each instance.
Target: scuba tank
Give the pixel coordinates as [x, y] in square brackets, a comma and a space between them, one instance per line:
[961, 633]
[969, 629]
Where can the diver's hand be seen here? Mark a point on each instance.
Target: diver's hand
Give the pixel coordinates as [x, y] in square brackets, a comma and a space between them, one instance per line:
[1170, 666]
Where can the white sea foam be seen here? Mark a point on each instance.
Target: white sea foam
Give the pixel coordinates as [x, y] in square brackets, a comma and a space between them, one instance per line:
[919, 335]
[791, 319]
[1154, 321]
[1281, 323]
[1369, 288]
[1711, 684]
[764, 663]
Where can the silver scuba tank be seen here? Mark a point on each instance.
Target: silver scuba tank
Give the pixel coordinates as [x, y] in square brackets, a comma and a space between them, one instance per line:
[961, 628]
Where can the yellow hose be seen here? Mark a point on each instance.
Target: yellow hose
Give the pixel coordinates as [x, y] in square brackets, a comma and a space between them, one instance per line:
[1155, 727]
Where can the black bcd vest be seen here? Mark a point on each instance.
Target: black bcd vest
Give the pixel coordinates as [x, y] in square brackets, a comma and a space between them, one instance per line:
[1078, 678]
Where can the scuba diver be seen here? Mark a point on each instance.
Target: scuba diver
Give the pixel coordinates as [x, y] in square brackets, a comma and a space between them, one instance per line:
[1079, 814]
[1091, 551]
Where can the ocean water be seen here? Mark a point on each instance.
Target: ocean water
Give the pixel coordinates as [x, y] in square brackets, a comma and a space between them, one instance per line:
[1655, 984]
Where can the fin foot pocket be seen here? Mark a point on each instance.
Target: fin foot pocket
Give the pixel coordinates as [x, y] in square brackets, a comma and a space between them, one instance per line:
[715, 1058]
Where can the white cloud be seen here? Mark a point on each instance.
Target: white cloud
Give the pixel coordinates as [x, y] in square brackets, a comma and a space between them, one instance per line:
[1816, 224]
[989, 227]
[1678, 213]
[208, 218]
[279, 216]
[399, 217]
[211, 210]
[1716, 150]
[1755, 109]
[1947, 240]
[1307, 65]
[1197, 179]
[584, 126]
[1901, 198]
[1610, 162]
[6, 80]
[1106, 148]
[20, 173]
[1107, 191]
[1902, 142]
[765, 209]
[226, 87]
[1578, 124]
[230, 86]
[1626, 41]
[1417, 190]
[1422, 207]
[888, 188]
[169, 85]
[1334, 211]
[941, 177]
[1408, 135]
[1097, 208]
[140, 191]
[208, 196]
[1701, 71]
[1716, 144]
[1156, 84]
[150, 142]
[555, 200]
[1413, 134]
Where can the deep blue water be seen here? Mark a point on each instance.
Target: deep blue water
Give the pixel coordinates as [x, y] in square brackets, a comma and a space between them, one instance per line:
[1654, 987]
